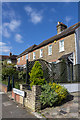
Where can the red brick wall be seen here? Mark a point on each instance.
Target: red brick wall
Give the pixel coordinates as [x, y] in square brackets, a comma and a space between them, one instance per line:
[16, 97]
[3, 88]
[22, 62]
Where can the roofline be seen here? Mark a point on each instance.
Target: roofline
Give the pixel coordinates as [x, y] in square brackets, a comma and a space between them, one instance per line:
[20, 55]
[52, 39]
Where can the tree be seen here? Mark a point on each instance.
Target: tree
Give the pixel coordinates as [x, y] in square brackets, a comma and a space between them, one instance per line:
[36, 75]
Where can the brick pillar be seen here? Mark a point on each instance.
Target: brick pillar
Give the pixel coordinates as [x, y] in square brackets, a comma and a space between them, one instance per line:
[36, 91]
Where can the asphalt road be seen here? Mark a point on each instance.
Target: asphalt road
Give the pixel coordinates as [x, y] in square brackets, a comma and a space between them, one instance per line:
[10, 109]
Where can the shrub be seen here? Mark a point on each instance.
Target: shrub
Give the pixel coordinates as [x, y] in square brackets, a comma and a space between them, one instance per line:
[22, 76]
[53, 94]
[61, 91]
[36, 75]
[48, 95]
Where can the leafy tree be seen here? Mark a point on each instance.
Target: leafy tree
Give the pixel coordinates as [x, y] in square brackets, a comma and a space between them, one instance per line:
[36, 75]
[8, 72]
[22, 75]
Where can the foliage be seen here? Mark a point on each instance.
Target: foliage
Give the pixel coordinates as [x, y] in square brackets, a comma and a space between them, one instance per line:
[48, 95]
[61, 91]
[36, 75]
[22, 75]
[8, 72]
[5, 82]
[53, 94]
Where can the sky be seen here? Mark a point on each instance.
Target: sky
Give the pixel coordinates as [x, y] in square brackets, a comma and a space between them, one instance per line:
[25, 24]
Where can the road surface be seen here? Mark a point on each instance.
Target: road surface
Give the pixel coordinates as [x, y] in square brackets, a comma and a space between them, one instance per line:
[10, 109]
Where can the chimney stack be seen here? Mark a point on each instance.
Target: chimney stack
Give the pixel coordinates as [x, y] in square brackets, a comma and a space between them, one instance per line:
[61, 27]
[10, 54]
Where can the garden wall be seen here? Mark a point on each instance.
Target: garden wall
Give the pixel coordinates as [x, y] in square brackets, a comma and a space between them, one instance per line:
[3, 88]
[31, 99]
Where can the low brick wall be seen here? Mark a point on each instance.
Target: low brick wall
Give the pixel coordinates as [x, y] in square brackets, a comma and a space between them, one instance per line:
[3, 88]
[17, 98]
[31, 99]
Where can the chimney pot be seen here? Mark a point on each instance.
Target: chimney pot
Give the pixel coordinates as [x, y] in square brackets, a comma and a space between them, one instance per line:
[60, 27]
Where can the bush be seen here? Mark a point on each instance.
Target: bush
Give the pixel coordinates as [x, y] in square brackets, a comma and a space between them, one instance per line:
[9, 72]
[61, 91]
[36, 75]
[53, 94]
[48, 95]
[22, 76]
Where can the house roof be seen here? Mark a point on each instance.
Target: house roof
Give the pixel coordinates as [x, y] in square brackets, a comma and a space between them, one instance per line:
[12, 57]
[5, 57]
[64, 33]
[27, 50]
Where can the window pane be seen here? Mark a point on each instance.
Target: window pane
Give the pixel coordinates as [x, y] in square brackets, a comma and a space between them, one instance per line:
[61, 45]
[50, 50]
[27, 57]
[34, 55]
[41, 52]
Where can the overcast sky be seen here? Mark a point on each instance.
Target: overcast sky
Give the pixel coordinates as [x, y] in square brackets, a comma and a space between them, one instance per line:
[25, 24]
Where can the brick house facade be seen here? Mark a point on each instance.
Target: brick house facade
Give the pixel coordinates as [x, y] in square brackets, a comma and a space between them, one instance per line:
[65, 42]
[9, 59]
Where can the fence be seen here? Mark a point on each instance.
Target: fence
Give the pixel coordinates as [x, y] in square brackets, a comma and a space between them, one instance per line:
[62, 72]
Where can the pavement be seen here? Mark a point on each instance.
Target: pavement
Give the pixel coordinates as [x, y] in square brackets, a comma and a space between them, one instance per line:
[10, 109]
[67, 111]
[70, 109]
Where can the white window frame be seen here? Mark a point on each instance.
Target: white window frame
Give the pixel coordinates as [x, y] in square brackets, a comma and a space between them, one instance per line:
[34, 55]
[27, 57]
[22, 57]
[61, 46]
[50, 50]
[41, 53]
[18, 60]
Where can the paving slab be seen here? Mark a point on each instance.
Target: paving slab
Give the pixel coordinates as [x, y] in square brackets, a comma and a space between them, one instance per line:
[71, 109]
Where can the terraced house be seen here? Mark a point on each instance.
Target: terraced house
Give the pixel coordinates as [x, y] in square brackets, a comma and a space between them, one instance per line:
[65, 44]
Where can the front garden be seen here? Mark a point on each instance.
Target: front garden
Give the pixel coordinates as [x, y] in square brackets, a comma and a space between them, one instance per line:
[52, 94]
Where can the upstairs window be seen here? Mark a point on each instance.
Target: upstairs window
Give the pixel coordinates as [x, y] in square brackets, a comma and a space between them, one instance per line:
[18, 60]
[50, 50]
[34, 55]
[61, 45]
[27, 57]
[41, 52]
[22, 57]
